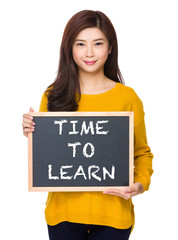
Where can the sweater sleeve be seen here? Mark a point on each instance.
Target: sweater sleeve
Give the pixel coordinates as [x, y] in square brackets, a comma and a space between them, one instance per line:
[43, 103]
[142, 152]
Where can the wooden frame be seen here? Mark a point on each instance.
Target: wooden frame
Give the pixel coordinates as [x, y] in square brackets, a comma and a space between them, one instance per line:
[63, 114]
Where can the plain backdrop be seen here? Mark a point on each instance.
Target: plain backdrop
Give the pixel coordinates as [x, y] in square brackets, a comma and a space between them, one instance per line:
[31, 33]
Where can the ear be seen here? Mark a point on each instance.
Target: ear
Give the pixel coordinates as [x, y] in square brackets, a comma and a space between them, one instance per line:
[110, 50]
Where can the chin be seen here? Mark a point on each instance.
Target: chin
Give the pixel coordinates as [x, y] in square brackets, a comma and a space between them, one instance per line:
[92, 69]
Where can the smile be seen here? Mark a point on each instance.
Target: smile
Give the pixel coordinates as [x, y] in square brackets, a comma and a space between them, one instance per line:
[90, 62]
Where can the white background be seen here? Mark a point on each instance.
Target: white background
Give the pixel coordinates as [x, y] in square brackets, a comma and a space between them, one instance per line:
[31, 33]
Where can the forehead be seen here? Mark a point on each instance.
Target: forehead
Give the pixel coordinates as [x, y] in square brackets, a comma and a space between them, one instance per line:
[91, 34]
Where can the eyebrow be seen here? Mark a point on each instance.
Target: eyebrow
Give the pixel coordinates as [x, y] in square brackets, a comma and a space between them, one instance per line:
[93, 40]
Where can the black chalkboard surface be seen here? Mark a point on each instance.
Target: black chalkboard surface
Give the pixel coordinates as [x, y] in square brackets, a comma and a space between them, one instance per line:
[80, 151]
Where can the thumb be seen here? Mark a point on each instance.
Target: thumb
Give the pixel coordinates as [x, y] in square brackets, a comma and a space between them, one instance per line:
[31, 109]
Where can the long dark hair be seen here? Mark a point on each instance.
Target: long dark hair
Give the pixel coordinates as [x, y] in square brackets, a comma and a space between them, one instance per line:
[64, 93]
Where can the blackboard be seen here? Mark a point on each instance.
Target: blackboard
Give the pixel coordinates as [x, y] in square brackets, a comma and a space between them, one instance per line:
[80, 151]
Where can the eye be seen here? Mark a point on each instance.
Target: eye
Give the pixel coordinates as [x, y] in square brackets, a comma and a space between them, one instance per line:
[99, 44]
[80, 44]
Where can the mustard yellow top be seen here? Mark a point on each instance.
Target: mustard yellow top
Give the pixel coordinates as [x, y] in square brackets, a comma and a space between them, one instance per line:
[97, 207]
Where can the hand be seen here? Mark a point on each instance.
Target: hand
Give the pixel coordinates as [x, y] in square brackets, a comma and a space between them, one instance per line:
[127, 192]
[28, 124]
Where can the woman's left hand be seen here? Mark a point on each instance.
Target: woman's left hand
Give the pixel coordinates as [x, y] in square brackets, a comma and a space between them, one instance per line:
[126, 192]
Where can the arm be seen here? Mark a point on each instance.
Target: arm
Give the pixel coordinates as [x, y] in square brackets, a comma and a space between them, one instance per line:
[28, 123]
[142, 156]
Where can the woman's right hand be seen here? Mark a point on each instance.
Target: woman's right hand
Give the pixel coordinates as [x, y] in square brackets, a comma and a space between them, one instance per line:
[28, 124]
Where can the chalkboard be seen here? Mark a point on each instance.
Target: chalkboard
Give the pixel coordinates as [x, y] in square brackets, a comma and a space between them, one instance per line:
[80, 151]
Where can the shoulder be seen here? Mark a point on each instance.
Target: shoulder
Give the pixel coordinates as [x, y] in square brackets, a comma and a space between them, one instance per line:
[131, 95]
[127, 92]
[132, 99]
[44, 102]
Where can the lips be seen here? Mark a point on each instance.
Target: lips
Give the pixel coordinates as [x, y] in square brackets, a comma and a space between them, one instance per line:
[90, 62]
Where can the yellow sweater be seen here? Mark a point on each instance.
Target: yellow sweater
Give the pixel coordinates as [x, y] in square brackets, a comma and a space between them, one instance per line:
[96, 207]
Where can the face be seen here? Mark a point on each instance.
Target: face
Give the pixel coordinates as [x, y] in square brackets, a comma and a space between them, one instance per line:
[90, 50]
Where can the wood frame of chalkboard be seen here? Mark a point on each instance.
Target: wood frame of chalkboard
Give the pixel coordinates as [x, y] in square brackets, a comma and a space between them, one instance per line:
[31, 159]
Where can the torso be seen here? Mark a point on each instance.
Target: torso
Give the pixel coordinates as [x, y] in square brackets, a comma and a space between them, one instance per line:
[109, 85]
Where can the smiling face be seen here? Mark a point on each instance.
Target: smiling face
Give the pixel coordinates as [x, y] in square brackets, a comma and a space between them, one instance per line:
[90, 50]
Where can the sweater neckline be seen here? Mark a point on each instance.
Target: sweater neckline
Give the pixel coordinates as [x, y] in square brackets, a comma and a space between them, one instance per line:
[101, 94]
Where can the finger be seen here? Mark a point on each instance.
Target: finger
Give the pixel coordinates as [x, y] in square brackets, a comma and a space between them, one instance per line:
[133, 188]
[27, 120]
[31, 109]
[28, 116]
[28, 125]
[26, 134]
[121, 190]
[113, 193]
[119, 194]
[127, 190]
[111, 190]
[28, 130]
[133, 194]
[130, 190]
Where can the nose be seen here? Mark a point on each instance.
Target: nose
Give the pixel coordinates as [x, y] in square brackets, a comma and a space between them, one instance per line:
[89, 51]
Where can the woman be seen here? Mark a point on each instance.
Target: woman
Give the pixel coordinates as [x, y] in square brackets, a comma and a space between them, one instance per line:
[89, 79]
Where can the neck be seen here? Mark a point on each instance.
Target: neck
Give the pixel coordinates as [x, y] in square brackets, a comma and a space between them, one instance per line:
[89, 81]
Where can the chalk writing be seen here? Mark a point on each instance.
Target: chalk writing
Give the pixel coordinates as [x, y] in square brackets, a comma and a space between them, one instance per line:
[88, 174]
[93, 169]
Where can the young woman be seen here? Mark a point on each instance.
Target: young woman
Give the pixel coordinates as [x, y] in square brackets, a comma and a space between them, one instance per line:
[89, 79]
